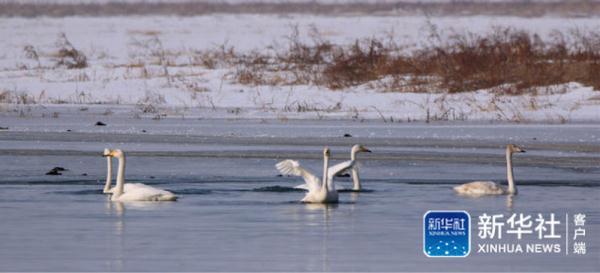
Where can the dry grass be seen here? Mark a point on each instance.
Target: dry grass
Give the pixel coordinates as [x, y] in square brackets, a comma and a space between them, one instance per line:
[508, 60]
[67, 55]
[151, 102]
[504, 61]
[222, 56]
[510, 57]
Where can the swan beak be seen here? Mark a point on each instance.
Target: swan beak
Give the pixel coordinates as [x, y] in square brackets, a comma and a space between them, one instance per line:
[365, 150]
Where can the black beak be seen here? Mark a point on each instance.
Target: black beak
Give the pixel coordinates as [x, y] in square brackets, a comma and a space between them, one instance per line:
[368, 151]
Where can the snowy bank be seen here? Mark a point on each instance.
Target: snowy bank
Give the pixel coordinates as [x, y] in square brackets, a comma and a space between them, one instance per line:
[147, 64]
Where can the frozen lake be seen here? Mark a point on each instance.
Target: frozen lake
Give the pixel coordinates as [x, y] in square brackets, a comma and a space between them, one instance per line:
[236, 214]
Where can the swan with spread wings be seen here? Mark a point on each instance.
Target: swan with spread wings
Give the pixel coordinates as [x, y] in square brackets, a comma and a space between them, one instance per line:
[319, 190]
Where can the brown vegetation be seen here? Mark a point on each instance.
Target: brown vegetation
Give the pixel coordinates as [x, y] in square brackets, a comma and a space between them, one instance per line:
[67, 55]
[509, 60]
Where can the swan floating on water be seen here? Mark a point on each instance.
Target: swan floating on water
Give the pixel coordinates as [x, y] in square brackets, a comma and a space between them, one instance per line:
[319, 191]
[355, 177]
[107, 189]
[480, 188]
[131, 192]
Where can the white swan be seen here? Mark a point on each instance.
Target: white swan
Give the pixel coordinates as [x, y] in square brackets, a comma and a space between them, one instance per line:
[319, 191]
[479, 188]
[107, 189]
[355, 177]
[139, 192]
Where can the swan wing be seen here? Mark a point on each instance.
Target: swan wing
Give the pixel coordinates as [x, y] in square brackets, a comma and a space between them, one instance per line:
[339, 168]
[130, 187]
[292, 167]
[302, 187]
[140, 186]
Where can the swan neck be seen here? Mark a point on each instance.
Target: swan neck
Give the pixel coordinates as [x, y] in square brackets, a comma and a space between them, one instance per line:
[120, 176]
[509, 174]
[108, 174]
[353, 155]
[325, 166]
[355, 179]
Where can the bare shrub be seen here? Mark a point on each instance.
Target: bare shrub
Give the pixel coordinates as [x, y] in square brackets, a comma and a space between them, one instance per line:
[363, 62]
[253, 68]
[247, 76]
[509, 56]
[15, 97]
[304, 106]
[5, 97]
[31, 53]
[298, 63]
[67, 55]
[191, 85]
[151, 103]
[222, 56]
[151, 48]
[513, 59]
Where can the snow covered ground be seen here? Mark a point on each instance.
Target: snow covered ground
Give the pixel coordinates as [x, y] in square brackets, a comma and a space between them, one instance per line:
[123, 69]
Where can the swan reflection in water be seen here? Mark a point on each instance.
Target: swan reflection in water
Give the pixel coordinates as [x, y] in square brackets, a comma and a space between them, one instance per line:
[117, 212]
[509, 201]
[320, 216]
[117, 244]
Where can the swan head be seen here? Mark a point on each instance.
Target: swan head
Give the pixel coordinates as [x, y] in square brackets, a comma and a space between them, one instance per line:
[512, 148]
[360, 148]
[326, 152]
[106, 152]
[114, 153]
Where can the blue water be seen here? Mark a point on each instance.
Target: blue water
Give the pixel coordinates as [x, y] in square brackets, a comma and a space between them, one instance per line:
[236, 214]
[254, 222]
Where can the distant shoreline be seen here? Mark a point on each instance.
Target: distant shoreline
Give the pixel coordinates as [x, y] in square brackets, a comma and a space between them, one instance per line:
[578, 8]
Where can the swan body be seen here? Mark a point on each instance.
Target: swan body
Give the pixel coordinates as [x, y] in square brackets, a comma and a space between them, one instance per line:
[481, 188]
[144, 193]
[127, 187]
[305, 187]
[354, 169]
[319, 190]
[132, 192]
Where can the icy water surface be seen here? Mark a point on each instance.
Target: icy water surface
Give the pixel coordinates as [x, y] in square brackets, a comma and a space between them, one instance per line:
[236, 214]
